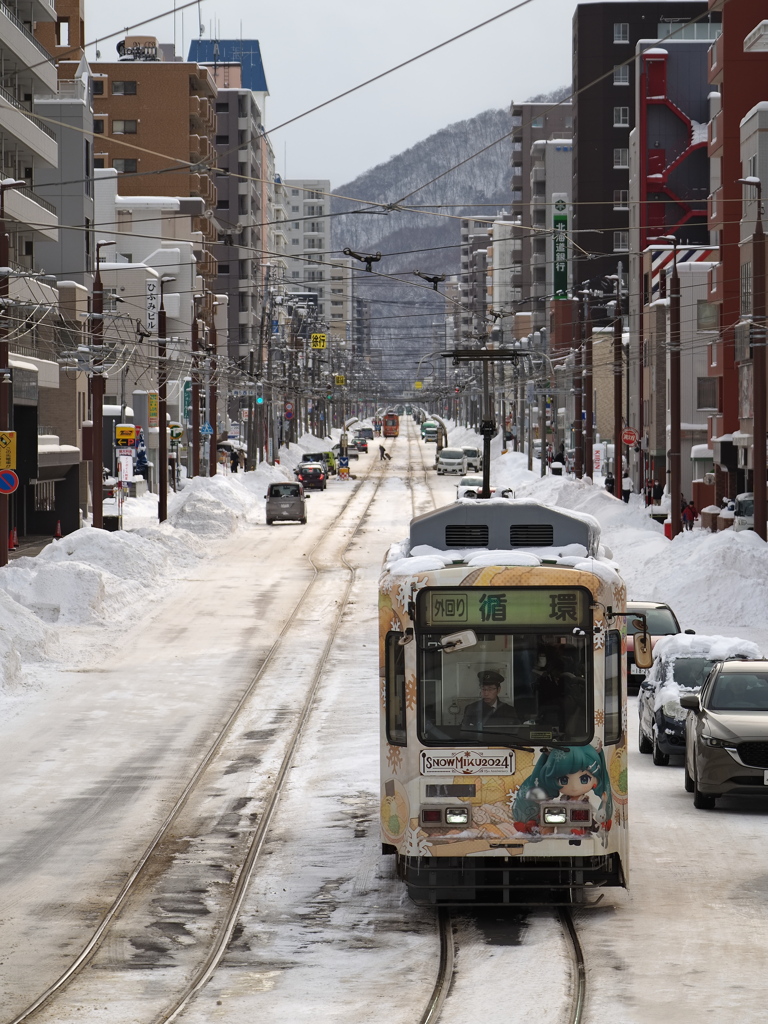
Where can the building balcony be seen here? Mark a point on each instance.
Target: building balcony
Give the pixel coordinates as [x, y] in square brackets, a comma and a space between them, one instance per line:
[538, 258]
[538, 174]
[32, 55]
[201, 150]
[715, 211]
[716, 61]
[202, 114]
[19, 122]
[24, 206]
[716, 137]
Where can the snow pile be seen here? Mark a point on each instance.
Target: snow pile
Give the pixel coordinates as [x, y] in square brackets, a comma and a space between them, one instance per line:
[214, 507]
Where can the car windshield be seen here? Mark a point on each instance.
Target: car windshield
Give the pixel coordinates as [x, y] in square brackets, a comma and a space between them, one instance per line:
[744, 507]
[451, 453]
[661, 621]
[544, 693]
[310, 470]
[740, 691]
[471, 481]
[691, 672]
[284, 491]
[470, 451]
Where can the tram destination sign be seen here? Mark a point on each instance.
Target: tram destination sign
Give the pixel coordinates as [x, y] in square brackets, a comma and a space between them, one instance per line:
[490, 606]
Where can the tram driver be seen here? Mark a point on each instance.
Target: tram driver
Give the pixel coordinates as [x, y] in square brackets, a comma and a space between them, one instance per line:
[489, 711]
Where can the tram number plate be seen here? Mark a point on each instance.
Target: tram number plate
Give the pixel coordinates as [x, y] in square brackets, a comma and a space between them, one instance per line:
[467, 762]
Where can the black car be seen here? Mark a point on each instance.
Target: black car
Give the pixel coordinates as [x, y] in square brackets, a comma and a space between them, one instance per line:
[312, 475]
[360, 443]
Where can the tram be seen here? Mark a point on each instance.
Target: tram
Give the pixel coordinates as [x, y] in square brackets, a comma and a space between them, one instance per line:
[391, 424]
[503, 707]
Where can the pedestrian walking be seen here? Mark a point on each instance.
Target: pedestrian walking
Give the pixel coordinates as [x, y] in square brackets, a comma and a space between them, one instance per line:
[690, 515]
[383, 453]
[626, 487]
[234, 460]
[609, 482]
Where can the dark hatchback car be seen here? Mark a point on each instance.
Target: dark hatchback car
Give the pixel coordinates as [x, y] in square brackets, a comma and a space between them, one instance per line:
[726, 750]
[661, 620]
[360, 443]
[312, 475]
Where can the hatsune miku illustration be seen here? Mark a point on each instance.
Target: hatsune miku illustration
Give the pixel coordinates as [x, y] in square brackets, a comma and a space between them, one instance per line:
[568, 775]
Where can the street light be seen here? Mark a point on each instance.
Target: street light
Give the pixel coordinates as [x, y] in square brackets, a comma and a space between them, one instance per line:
[97, 392]
[758, 341]
[675, 479]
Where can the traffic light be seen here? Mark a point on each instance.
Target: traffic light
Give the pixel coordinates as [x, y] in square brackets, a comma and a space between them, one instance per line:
[259, 395]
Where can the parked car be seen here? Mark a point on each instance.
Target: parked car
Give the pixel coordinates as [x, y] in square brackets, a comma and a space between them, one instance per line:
[324, 458]
[726, 747]
[661, 620]
[744, 512]
[681, 665]
[474, 457]
[470, 486]
[286, 501]
[352, 453]
[451, 460]
[360, 444]
[312, 475]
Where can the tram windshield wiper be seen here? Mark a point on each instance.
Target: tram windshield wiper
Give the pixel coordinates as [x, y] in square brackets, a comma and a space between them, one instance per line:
[497, 741]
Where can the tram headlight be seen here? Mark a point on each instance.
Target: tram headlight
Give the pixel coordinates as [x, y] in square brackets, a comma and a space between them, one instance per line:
[456, 815]
[555, 815]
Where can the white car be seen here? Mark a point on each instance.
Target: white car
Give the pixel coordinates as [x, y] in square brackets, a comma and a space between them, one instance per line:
[470, 487]
[451, 460]
[474, 458]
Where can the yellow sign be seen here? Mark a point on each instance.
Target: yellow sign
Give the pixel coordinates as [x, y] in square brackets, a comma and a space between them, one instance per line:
[418, 385]
[319, 340]
[339, 379]
[8, 449]
[125, 435]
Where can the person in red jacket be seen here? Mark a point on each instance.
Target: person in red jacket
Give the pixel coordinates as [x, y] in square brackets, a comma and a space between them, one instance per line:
[690, 514]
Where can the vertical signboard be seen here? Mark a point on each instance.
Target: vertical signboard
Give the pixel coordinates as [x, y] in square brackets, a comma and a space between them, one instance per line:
[560, 240]
[153, 304]
[153, 409]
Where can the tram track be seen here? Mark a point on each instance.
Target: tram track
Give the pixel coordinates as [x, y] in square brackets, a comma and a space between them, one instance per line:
[138, 880]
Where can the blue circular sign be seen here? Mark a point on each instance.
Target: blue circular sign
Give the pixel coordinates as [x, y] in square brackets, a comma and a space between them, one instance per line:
[8, 481]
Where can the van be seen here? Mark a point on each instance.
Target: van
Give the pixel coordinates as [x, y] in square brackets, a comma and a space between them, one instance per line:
[451, 460]
[286, 501]
[744, 512]
[366, 432]
[429, 431]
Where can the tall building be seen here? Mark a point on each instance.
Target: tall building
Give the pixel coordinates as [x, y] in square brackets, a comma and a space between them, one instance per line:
[162, 149]
[605, 36]
[550, 265]
[308, 237]
[532, 122]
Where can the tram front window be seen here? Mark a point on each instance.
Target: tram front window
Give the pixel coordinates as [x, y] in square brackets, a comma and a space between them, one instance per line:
[517, 688]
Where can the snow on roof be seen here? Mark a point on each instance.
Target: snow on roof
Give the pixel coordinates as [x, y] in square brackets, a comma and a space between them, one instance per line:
[699, 645]
[701, 451]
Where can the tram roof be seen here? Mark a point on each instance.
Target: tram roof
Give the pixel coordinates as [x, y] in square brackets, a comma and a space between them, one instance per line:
[504, 525]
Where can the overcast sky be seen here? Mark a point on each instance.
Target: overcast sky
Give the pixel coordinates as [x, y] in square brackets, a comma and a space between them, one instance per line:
[314, 50]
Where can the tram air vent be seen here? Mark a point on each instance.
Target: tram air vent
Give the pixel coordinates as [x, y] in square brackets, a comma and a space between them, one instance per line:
[532, 535]
[466, 535]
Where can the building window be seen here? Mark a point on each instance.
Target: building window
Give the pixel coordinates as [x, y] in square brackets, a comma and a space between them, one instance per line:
[537, 122]
[621, 75]
[125, 166]
[223, 269]
[222, 140]
[45, 496]
[98, 127]
[62, 32]
[620, 199]
[294, 241]
[621, 31]
[123, 88]
[296, 224]
[222, 108]
[746, 289]
[98, 161]
[517, 170]
[621, 241]
[124, 127]
[517, 147]
[621, 158]
[706, 393]
[222, 204]
[294, 209]
[97, 86]
[294, 191]
[621, 117]
[295, 273]
[707, 315]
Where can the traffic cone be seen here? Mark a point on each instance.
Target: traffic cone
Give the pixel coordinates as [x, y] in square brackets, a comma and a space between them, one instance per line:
[15, 538]
[57, 531]
[11, 545]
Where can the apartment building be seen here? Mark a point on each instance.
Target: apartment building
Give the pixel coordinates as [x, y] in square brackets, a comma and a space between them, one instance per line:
[605, 37]
[162, 149]
[476, 239]
[308, 237]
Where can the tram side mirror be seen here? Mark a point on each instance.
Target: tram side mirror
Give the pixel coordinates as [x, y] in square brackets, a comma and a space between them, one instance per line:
[459, 641]
[643, 646]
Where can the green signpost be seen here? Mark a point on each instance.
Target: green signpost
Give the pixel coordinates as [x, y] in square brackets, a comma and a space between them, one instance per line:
[560, 237]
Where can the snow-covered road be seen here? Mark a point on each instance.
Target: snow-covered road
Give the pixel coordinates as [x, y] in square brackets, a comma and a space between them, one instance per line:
[130, 652]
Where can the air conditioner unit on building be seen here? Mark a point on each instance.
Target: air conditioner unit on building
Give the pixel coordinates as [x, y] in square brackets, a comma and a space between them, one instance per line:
[709, 479]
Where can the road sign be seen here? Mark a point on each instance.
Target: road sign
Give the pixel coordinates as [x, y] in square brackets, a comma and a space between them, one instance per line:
[629, 436]
[177, 431]
[8, 481]
[8, 449]
[288, 410]
[340, 379]
[418, 385]
[319, 340]
[206, 430]
[125, 435]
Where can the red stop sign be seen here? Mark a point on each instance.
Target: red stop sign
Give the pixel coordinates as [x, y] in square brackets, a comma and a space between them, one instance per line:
[629, 436]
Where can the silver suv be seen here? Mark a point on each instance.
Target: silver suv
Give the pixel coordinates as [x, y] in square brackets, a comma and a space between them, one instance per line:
[286, 502]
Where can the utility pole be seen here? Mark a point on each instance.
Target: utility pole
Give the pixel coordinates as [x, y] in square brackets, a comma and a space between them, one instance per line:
[5, 371]
[675, 483]
[162, 389]
[578, 427]
[617, 381]
[589, 461]
[195, 398]
[97, 391]
[250, 461]
[758, 343]
[213, 404]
